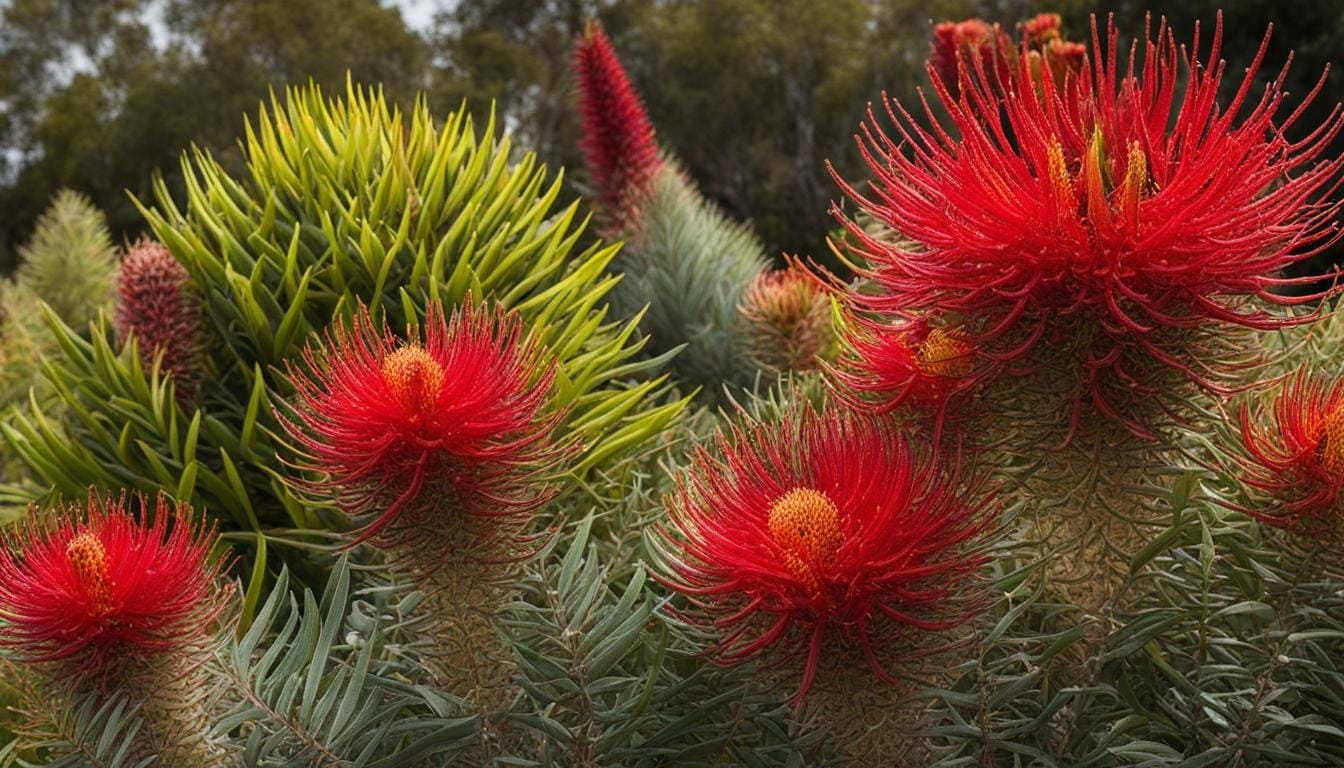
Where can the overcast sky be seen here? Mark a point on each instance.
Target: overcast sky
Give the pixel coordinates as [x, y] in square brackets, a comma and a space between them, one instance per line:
[419, 13]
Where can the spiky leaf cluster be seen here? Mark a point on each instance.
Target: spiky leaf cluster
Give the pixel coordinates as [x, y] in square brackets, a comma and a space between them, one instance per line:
[691, 265]
[70, 263]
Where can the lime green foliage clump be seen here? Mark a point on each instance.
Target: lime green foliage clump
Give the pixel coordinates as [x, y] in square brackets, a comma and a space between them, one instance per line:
[69, 265]
[345, 202]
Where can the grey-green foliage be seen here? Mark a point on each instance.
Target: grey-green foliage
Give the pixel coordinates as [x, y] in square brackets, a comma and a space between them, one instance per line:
[309, 688]
[70, 263]
[690, 264]
[614, 681]
[1227, 652]
[89, 732]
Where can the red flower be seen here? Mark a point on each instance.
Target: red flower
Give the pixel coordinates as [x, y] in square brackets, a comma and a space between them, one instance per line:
[968, 44]
[1296, 453]
[822, 531]
[454, 419]
[618, 139]
[1040, 29]
[159, 307]
[790, 317]
[918, 363]
[1137, 211]
[100, 587]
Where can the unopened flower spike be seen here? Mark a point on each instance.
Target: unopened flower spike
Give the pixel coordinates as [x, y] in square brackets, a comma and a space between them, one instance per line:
[618, 142]
[161, 309]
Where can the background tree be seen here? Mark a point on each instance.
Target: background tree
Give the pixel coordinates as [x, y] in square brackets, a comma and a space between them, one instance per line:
[97, 95]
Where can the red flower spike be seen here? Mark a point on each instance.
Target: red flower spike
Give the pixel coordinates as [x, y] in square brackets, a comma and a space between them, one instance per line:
[918, 363]
[1296, 454]
[822, 531]
[100, 587]
[618, 139]
[394, 423]
[160, 308]
[1117, 201]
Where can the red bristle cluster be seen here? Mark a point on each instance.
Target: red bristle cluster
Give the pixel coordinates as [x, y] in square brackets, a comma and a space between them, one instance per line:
[1137, 211]
[455, 417]
[1295, 453]
[100, 588]
[916, 362]
[618, 139]
[160, 308]
[822, 534]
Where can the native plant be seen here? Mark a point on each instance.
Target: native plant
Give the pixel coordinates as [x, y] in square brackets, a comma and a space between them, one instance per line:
[1055, 478]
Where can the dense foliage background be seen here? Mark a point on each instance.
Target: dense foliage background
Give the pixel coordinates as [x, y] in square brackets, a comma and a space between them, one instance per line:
[755, 95]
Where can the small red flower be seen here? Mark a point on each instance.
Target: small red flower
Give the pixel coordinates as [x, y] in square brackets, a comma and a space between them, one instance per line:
[1296, 454]
[822, 531]
[916, 363]
[1137, 211]
[618, 139]
[161, 309]
[99, 587]
[1041, 29]
[968, 44]
[790, 317]
[455, 419]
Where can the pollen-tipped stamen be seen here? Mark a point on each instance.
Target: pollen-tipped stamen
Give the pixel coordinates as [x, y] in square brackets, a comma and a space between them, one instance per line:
[415, 378]
[1331, 448]
[945, 353]
[89, 561]
[806, 526]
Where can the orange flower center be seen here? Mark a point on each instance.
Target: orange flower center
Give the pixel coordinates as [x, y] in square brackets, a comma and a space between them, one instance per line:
[945, 353]
[806, 525]
[89, 559]
[415, 379]
[1331, 448]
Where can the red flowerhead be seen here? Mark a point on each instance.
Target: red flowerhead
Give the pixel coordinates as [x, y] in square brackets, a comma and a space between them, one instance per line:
[161, 309]
[618, 140]
[99, 588]
[917, 363]
[789, 314]
[1138, 212]
[822, 534]
[1295, 452]
[968, 44]
[456, 417]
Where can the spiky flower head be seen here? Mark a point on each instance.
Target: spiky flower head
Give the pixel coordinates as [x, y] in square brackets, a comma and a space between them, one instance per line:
[618, 141]
[1144, 215]
[1294, 451]
[99, 591]
[161, 309]
[822, 534]
[789, 312]
[453, 417]
[918, 362]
